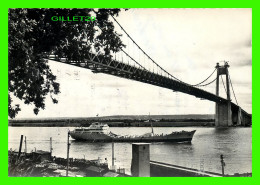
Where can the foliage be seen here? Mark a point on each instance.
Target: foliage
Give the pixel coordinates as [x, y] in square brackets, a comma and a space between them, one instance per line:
[33, 36]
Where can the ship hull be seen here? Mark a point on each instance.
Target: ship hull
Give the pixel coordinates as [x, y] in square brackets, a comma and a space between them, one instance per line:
[101, 137]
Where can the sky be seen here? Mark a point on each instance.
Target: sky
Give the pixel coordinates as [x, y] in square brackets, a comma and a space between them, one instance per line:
[185, 42]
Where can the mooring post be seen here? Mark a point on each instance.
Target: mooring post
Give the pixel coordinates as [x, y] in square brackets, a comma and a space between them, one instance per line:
[20, 147]
[25, 145]
[222, 164]
[51, 145]
[68, 151]
[113, 157]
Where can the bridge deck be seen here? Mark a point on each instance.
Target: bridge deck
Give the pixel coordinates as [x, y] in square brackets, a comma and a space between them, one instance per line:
[99, 64]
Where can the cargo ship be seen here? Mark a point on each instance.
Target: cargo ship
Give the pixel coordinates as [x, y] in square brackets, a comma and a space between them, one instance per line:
[99, 132]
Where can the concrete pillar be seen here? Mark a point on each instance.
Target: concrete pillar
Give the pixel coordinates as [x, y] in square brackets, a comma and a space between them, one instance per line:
[140, 160]
[227, 84]
[223, 115]
[217, 93]
[229, 114]
[223, 112]
[239, 116]
[217, 81]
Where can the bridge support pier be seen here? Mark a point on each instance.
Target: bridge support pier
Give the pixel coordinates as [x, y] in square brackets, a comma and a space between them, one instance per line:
[237, 117]
[241, 118]
[228, 114]
[223, 116]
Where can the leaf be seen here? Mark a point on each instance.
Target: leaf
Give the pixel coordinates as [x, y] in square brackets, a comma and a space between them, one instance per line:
[32, 34]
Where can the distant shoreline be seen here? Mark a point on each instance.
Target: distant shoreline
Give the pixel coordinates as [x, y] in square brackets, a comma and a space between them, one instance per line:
[120, 121]
[189, 120]
[204, 123]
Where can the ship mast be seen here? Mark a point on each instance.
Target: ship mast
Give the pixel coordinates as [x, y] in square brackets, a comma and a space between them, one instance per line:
[151, 123]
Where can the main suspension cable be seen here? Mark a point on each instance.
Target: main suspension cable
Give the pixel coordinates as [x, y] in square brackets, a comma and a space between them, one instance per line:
[208, 83]
[126, 53]
[199, 84]
[145, 52]
[223, 83]
[205, 79]
[232, 88]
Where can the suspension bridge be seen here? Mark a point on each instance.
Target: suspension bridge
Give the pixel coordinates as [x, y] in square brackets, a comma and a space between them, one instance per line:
[135, 64]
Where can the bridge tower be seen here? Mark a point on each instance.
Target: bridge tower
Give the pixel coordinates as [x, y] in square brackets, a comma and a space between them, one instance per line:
[223, 114]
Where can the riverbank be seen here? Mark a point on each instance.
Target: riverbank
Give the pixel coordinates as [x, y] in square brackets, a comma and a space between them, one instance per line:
[120, 121]
[42, 164]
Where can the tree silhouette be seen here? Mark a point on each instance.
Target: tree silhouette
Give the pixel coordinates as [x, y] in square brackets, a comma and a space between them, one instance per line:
[33, 36]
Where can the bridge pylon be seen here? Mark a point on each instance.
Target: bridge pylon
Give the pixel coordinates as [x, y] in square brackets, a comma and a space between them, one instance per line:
[223, 114]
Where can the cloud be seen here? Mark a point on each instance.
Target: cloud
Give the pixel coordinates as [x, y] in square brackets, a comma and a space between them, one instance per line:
[243, 63]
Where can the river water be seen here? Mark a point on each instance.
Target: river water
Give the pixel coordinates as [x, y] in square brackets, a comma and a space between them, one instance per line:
[202, 153]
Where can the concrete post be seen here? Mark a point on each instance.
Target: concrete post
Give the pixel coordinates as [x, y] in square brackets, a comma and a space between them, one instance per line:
[140, 160]
[68, 154]
[113, 156]
[51, 145]
[25, 145]
[20, 147]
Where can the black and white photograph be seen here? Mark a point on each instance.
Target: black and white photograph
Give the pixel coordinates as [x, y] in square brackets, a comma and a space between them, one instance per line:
[130, 92]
